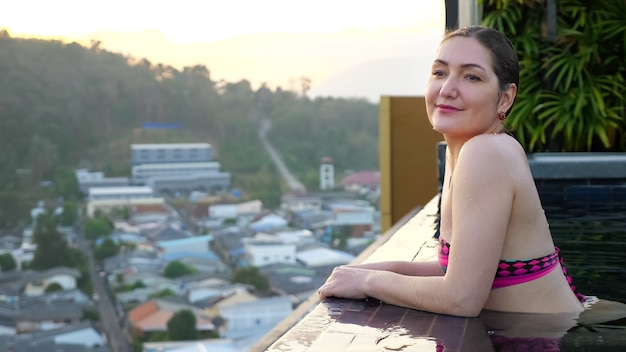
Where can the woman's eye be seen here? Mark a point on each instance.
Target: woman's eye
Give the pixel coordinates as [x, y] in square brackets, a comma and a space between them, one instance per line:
[438, 73]
[472, 77]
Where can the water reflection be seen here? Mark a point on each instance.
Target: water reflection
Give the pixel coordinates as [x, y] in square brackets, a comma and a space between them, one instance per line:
[526, 331]
[375, 326]
[592, 238]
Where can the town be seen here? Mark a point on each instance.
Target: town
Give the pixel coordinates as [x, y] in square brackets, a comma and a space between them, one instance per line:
[177, 256]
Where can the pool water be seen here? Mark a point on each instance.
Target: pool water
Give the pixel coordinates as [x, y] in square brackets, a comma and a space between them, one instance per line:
[592, 238]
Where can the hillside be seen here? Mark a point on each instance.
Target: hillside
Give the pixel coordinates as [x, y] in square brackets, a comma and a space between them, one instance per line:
[63, 106]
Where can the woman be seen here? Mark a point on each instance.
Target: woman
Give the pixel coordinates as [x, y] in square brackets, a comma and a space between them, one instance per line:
[496, 250]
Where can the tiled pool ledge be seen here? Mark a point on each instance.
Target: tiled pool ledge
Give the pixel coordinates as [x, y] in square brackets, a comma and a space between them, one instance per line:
[359, 325]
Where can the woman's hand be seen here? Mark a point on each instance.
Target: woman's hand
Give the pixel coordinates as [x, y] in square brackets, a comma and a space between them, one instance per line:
[345, 282]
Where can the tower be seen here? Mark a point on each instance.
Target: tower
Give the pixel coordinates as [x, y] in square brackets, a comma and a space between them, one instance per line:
[327, 174]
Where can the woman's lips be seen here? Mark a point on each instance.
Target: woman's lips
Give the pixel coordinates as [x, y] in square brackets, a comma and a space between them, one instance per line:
[447, 108]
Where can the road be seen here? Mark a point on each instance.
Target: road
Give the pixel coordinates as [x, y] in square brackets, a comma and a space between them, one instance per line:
[117, 338]
[291, 181]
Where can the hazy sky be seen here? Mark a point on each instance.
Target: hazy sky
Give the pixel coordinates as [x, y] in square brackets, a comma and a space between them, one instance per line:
[209, 20]
[345, 41]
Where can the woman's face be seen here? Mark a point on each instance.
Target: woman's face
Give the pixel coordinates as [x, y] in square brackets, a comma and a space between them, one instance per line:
[463, 95]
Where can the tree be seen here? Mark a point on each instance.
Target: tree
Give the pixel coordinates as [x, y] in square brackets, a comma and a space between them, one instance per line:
[177, 269]
[52, 248]
[7, 262]
[66, 184]
[166, 292]
[251, 276]
[69, 216]
[96, 228]
[106, 249]
[182, 326]
[13, 208]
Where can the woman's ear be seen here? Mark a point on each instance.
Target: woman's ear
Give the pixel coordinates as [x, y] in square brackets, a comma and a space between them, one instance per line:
[508, 97]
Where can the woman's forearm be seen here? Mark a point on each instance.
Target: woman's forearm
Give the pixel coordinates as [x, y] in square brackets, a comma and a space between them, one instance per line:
[430, 268]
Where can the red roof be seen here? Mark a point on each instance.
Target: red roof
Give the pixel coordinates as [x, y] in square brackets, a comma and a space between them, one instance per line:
[362, 178]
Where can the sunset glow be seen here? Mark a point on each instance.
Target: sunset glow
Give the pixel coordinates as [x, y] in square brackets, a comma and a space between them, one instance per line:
[187, 21]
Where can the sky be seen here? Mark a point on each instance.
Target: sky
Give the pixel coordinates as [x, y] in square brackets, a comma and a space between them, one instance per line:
[343, 44]
[189, 21]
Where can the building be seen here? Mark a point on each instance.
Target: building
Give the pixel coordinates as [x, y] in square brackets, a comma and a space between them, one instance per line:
[119, 193]
[174, 168]
[87, 180]
[170, 153]
[327, 174]
[361, 182]
[144, 172]
[266, 252]
[187, 183]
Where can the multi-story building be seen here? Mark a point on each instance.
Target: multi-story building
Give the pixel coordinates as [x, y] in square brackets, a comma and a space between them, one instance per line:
[170, 153]
[144, 172]
[171, 169]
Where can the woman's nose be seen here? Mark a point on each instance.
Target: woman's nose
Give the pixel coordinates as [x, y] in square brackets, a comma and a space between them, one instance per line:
[448, 87]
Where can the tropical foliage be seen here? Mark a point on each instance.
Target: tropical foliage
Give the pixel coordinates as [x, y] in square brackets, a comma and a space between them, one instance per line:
[572, 87]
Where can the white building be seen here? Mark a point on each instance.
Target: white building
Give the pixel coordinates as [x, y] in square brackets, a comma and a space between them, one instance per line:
[327, 174]
[324, 256]
[119, 193]
[231, 211]
[244, 317]
[266, 252]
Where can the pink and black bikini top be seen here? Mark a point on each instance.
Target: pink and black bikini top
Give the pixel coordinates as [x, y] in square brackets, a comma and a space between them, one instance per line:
[514, 272]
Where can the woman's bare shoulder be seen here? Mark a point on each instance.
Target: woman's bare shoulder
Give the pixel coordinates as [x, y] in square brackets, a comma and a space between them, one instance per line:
[490, 146]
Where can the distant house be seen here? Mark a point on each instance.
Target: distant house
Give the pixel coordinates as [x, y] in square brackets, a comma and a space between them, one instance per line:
[361, 182]
[209, 291]
[203, 262]
[167, 232]
[37, 282]
[45, 316]
[144, 261]
[269, 222]
[71, 337]
[231, 211]
[245, 318]
[323, 256]
[260, 252]
[195, 244]
[296, 202]
[154, 315]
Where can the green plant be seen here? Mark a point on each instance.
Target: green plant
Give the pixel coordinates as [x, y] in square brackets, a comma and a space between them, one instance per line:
[572, 87]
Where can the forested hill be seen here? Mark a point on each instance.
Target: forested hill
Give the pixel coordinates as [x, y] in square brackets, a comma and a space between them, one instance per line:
[63, 106]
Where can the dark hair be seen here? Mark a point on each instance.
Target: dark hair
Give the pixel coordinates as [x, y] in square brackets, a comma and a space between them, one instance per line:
[503, 53]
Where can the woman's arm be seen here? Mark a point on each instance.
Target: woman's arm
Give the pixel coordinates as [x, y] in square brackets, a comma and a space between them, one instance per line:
[427, 268]
[481, 207]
